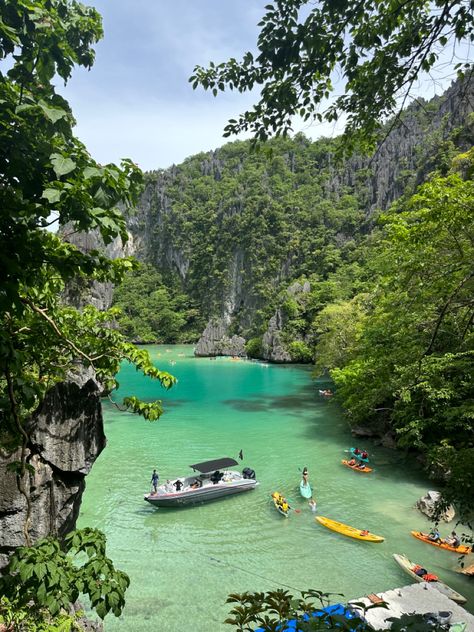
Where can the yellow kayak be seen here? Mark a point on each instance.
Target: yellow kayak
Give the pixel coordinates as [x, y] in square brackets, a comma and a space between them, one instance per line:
[358, 534]
[281, 504]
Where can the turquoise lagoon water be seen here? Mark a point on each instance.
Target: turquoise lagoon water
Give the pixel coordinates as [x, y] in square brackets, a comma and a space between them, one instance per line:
[184, 562]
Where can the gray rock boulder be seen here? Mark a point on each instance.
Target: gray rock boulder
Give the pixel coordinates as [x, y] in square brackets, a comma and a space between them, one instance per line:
[215, 341]
[426, 504]
[273, 348]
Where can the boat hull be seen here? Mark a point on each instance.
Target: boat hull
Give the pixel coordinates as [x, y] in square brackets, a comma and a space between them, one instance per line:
[201, 495]
[443, 588]
[350, 532]
[463, 550]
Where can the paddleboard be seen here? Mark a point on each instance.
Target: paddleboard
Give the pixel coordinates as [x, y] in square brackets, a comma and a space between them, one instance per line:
[305, 490]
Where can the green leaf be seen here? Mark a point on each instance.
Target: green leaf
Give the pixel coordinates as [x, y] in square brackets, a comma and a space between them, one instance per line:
[62, 165]
[52, 113]
[52, 195]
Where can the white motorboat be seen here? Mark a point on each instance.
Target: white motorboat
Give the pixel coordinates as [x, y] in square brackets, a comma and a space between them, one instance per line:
[212, 479]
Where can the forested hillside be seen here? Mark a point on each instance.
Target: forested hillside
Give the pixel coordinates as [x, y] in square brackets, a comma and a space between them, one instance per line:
[230, 231]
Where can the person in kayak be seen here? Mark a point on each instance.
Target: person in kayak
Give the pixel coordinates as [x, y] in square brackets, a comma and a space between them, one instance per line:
[434, 535]
[283, 504]
[453, 539]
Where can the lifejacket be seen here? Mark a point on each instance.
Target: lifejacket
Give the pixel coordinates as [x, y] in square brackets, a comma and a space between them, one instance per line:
[430, 577]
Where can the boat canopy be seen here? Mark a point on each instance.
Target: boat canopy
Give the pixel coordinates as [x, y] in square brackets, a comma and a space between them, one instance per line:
[211, 466]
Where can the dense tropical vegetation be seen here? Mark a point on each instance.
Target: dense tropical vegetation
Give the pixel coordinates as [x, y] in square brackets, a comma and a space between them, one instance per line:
[153, 312]
[400, 348]
[386, 307]
[389, 310]
[48, 177]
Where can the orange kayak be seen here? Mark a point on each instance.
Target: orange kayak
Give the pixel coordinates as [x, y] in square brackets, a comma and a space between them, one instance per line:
[463, 550]
[366, 469]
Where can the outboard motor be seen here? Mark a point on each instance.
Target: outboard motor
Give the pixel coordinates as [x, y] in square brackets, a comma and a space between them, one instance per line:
[247, 472]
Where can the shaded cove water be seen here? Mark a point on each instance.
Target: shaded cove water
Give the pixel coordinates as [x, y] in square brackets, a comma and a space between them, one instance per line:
[184, 562]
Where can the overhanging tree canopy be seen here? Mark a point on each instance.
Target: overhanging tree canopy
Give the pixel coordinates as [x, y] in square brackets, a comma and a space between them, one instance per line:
[376, 48]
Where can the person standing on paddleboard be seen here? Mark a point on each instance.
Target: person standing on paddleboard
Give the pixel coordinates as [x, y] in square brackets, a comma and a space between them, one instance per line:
[305, 476]
[307, 493]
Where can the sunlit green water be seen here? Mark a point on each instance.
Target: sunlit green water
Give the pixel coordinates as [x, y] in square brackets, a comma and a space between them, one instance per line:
[184, 562]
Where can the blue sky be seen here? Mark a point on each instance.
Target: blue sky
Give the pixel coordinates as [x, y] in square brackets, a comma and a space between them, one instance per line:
[136, 101]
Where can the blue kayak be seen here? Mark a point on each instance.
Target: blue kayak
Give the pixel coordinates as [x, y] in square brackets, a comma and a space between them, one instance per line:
[305, 490]
[357, 456]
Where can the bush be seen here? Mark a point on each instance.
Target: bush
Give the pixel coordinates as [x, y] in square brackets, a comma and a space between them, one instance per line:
[253, 348]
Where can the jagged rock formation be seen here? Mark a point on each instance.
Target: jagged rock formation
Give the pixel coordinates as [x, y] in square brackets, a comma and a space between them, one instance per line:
[273, 347]
[233, 251]
[215, 341]
[66, 437]
[427, 505]
[80, 292]
[405, 149]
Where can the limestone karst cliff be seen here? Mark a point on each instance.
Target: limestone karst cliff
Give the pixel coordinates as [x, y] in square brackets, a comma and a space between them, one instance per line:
[66, 438]
[233, 229]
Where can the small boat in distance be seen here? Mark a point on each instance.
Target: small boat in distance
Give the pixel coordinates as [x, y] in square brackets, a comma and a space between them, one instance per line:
[213, 481]
[326, 392]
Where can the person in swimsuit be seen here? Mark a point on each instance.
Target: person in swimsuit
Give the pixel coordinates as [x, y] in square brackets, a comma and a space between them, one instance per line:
[154, 481]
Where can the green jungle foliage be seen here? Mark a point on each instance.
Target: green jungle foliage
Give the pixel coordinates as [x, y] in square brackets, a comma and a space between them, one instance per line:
[401, 353]
[47, 578]
[48, 176]
[252, 220]
[150, 312]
